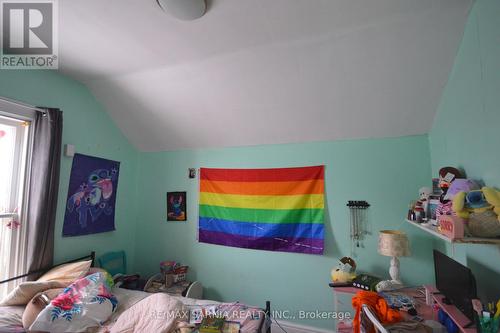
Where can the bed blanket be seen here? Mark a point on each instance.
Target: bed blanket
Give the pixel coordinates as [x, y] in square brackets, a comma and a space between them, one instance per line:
[126, 299]
[11, 319]
[157, 313]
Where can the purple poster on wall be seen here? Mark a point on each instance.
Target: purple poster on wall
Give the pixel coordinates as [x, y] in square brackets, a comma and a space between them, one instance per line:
[90, 207]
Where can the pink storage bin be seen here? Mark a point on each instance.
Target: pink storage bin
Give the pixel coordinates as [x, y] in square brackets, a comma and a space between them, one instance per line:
[451, 226]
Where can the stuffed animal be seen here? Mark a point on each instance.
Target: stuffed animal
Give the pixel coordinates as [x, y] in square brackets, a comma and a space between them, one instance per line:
[446, 176]
[461, 185]
[482, 210]
[493, 197]
[457, 186]
[424, 193]
[345, 271]
[476, 201]
[485, 224]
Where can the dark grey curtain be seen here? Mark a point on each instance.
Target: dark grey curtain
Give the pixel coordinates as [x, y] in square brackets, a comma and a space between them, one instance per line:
[43, 188]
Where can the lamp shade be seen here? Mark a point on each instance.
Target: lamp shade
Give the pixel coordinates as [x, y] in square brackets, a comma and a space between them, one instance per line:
[393, 243]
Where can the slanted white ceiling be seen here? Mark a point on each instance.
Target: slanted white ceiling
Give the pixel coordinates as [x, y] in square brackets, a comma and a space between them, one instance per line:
[263, 71]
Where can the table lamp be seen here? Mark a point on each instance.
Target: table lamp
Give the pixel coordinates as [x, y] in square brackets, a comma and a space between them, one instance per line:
[393, 243]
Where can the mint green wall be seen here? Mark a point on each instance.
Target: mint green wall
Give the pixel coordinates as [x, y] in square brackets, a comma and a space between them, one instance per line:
[466, 132]
[90, 129]
[385, 172]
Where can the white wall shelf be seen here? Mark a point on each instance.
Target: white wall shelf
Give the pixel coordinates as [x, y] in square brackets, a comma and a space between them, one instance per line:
[466, 240]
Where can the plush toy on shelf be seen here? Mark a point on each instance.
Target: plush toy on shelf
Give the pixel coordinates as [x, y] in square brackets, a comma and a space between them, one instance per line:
[461, 185]
[465, 203]
[446, 176]
[482, 210]
[424, 193]
[345, 271]
[493, 197]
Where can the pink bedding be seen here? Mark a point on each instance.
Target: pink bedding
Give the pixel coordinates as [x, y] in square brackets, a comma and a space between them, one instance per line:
[250, 318]
[153, 314]
[11, 319]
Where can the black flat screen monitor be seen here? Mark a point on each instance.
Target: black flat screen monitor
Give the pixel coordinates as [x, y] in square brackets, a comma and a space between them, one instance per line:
[456, 282]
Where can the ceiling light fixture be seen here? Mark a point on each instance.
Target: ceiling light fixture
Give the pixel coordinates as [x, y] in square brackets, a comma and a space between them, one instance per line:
[186, 10]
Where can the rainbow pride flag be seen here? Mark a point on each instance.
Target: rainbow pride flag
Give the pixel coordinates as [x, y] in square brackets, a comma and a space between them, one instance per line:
[267, 209]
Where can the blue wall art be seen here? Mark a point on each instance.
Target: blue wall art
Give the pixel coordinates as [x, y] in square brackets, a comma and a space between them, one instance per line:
[176, 206]
[90, 207]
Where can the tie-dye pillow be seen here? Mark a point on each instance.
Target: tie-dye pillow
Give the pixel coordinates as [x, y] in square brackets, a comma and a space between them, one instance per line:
[87, 302]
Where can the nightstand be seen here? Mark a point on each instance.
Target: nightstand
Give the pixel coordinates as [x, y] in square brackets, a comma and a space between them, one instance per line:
[181, 289]
[344, 325]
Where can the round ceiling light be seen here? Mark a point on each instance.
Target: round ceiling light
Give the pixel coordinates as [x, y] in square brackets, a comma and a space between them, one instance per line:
[186, 10]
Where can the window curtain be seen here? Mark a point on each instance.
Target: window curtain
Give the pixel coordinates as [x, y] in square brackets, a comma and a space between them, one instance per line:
[43, 189]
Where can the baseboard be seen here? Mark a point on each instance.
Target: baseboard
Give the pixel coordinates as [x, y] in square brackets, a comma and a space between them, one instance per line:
[296, 328]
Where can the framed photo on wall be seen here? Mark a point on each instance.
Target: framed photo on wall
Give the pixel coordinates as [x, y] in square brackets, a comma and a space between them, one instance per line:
[176, 206]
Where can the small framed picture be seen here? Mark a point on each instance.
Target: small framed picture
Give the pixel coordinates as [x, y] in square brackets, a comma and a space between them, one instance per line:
[176, 206]
[435, 187]
[433, 205]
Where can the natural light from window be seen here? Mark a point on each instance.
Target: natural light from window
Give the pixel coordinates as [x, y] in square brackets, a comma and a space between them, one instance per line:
[13, 151]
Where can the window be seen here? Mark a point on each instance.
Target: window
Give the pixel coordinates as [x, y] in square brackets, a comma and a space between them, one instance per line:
[14, 149]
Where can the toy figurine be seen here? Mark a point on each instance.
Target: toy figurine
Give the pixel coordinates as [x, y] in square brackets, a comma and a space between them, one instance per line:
[424, 193]
[345, 271]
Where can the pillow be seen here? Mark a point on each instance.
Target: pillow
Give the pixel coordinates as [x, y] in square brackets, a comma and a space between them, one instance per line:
[37, 304]
[86, 303]
[93, 270]
[67, 273]
[22, 294]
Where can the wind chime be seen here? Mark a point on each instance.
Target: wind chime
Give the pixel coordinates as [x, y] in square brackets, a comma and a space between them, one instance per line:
[358, 223]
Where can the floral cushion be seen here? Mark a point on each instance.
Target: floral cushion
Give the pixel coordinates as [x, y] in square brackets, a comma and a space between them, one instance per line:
[87, 302]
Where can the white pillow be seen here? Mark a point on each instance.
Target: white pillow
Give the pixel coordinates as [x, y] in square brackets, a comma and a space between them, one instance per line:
[67, 273]
[24, 292]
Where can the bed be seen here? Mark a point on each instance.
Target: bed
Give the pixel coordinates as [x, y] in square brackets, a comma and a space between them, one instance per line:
[252, 319]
